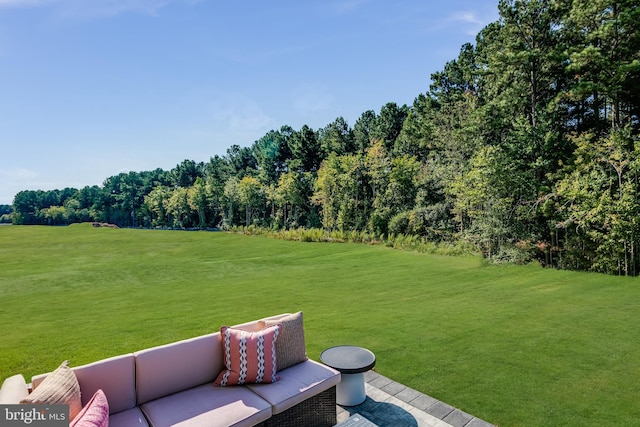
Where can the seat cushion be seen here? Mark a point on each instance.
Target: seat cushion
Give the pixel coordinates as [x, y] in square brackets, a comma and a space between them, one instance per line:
[297, 384]
[208, 406]
[129, 418]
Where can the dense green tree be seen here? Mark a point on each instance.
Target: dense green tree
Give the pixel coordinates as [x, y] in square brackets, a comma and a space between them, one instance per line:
[186, 173]
[291, 198]
[339, 192]
[417, 135]
[527, 141]
[600, 199]
[606, 65]
[388, 124]
[156, 203]
[55, 215]
[198, 198]
[252, 195]
[242, 161]
[5, 214]
[26, 207]
[272, 153]
[231, 202]
[217, 172]
[127, 195]
[178, 209]
[306, 153]
[337, 137]
[362, 131]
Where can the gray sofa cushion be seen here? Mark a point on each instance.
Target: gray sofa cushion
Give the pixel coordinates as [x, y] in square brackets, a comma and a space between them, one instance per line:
[129, 418]
[115, 376]
[297, 384]
[210, 406]
[178, 366]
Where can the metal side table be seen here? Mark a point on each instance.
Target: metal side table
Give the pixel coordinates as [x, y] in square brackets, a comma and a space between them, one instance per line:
[352, 362]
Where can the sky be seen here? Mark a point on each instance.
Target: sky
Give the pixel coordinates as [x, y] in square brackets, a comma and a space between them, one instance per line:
[93, 88]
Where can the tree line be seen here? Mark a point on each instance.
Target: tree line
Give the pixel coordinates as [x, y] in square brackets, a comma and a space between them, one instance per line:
[525, 146]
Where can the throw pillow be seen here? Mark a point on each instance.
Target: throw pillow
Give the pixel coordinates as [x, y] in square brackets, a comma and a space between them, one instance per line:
[249, 357]
[95, 413]
[290, 348]
[59, 387]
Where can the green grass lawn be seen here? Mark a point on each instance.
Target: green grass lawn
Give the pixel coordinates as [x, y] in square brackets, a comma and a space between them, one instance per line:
[516, 346]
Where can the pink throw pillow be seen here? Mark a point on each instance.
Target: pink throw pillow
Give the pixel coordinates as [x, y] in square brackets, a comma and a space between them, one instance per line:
[95, 413]
[249, 357]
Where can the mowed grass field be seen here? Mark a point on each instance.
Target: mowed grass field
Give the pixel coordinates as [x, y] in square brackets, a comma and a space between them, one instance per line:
[516, 346]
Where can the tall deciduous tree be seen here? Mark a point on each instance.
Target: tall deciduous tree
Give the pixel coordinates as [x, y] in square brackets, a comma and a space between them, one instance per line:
[339, 191]
[198, 198]
[252, 195]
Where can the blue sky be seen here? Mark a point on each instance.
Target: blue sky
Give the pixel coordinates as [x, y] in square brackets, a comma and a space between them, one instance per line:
[92, 88]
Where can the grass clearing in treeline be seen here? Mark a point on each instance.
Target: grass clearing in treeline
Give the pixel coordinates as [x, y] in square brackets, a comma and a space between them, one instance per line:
[514, 345]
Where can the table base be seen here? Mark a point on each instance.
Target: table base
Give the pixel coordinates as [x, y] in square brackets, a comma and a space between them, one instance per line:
[350, 390]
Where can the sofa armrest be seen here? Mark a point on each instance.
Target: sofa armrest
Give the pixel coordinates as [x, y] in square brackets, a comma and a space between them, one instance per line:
[13, 390]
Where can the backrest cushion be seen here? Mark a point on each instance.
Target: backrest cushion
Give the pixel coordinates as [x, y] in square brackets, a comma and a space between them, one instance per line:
[178, 366]
[115, 376]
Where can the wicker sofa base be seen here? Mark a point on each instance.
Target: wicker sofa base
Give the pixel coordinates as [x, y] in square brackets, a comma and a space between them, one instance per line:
[317, 411]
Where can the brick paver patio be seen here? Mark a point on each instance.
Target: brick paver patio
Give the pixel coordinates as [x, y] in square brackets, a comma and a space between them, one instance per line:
[391, 404]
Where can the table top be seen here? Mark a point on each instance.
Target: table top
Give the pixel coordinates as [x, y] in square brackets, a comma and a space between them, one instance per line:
[348, 359]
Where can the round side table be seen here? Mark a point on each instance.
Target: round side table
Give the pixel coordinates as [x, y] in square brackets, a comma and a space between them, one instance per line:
[351, 361]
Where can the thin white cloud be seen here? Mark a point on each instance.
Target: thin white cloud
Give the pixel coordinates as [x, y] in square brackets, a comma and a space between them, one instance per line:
[468, 17]
[240, 114]
[470, 21]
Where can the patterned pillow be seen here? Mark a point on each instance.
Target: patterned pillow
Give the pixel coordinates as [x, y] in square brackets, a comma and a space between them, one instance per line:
[59, 387]
[290, 348]
[249, 357]
[95, 413]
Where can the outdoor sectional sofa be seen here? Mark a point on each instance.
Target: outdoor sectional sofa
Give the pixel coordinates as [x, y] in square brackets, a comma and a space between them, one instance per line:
[173, 384]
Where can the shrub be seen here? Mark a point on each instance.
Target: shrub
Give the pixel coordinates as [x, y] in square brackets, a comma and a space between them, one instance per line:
[399, 223]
